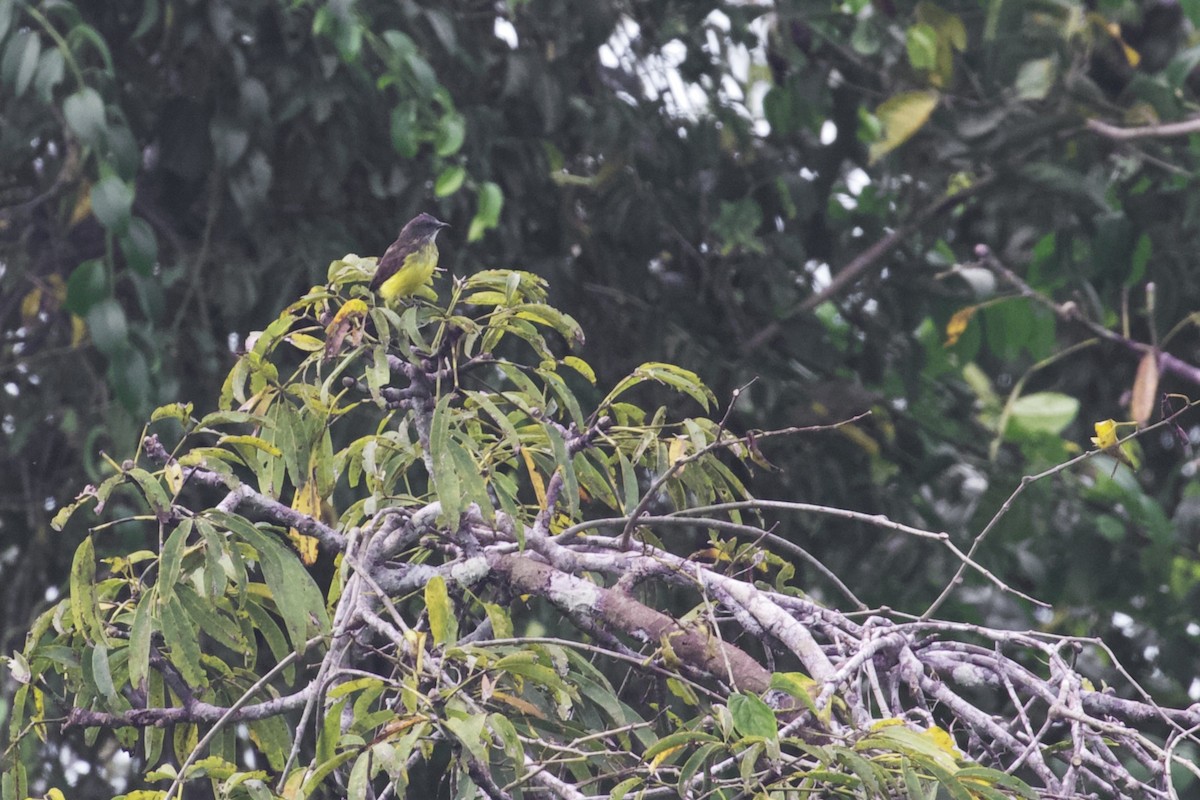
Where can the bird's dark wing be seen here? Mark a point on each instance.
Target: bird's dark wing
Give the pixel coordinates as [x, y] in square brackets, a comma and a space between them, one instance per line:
[392, 261]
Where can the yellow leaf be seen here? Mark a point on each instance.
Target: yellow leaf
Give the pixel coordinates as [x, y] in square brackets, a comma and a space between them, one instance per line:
[78, 330]
[524, 706]
[663, 756]
[347, 322]
[173, 472]
[942, 739]
[535, 477]
[677, 451]
[83, 205]
[902, 115]
[31, 304]
[302, 341]
[350, 308]
[443, 625]
[252, 441]
[1132, 56]
[957, 325]
[890, 722]
[308, 502]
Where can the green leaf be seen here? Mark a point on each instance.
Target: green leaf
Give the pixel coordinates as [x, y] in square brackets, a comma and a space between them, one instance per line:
[150, 15]
[452, 130]
[85, 602]
[548, 315]
[446, 481]
[139, 246]
[152, 489]
[404, 129]
[170, 563]
[487, 215]
[914, 744]
[468, 729]
[80, 33]
[471, 481]
[229, 140]
[182, 638]
[449, 181]
[698, 759]
[7, 8]
[112, 201]
[108, 327]
[15, 781]
[273, 739]
[1008, 327]
[276, 643]
[1137, 263]
[181, 412]
[101, 672]
[156, 697]
[1045, 412]
[678, 378]
[30, 47]
[86, 287]
[1036, 78]
[582, 367]
[902, 116]
[84, 112]
[212, 619]
[624, 787]
[921, 42]
[251, 441]
[674, 740]
[443, 623]
[752, 717]
[360, 773]
[139, 639]
[296, 597]
[562, 461]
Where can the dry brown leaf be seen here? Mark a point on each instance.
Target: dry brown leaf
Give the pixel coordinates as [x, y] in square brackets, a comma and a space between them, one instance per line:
[1144, 395]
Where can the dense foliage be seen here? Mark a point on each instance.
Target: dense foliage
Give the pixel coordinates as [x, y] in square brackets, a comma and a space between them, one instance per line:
[498, 550]
[794, 193]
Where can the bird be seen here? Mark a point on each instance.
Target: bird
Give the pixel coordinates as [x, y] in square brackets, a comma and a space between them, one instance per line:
[408, 264]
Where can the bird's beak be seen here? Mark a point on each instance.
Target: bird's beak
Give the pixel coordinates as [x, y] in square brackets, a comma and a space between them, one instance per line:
[443, 225]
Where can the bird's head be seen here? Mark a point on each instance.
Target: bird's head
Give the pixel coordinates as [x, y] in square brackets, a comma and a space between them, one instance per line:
[423, 226]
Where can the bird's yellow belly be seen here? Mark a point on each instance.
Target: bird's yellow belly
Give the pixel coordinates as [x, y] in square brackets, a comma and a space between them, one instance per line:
[416, 272]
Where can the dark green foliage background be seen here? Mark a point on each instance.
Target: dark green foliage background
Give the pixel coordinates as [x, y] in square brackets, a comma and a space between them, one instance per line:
[262, 139]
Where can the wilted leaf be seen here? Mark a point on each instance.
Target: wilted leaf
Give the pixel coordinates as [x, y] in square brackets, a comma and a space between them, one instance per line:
[307, 501]
[957, 325]
[1144, 395]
